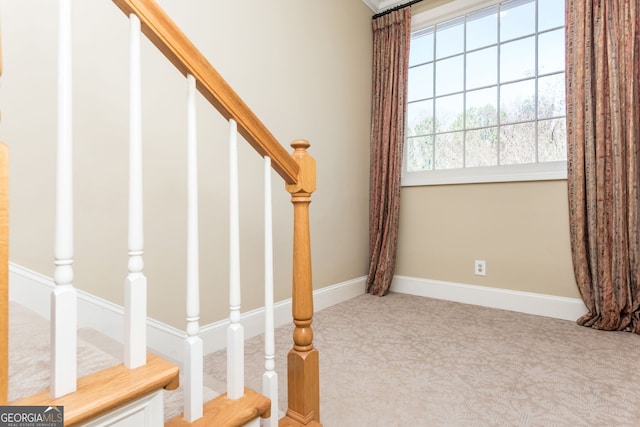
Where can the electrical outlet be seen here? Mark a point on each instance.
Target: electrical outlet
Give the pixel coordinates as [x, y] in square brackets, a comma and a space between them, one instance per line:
[480, 267]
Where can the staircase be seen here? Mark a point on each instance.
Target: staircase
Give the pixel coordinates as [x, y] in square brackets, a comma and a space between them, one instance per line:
[131, 393]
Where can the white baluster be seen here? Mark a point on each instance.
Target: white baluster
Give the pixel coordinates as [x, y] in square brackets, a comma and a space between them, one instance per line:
[63, 297]
[235, 332]
[270, 376]
[193, 388]
[135, 300]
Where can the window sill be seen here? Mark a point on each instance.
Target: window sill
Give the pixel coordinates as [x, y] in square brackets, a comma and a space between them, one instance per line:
[512, 173]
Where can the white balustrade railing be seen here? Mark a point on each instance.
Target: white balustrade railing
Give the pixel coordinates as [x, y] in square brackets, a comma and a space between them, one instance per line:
[193, 351]
[270, 376]
[235, 331]
[64, 295]
[135, 289]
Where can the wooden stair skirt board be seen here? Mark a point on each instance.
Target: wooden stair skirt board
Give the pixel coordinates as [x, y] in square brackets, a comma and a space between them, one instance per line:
[109, 389]
[288, 422]
[224, 412]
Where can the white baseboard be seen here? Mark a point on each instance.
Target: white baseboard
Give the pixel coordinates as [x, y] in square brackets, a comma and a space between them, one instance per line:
[505, 299]
[214, 335]
[33, 290]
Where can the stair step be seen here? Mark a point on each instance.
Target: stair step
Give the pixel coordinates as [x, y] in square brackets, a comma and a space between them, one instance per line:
[30, 352]
[289, 422]
[225, 412]
[109, 389]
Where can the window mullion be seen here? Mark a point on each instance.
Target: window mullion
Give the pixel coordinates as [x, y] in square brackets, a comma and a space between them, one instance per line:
[433, 100]
[464, 93]
[498, 90]
[536, 89]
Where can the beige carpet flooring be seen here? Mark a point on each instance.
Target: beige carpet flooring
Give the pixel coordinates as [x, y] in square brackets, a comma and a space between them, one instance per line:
[410, 361]
[404, 361]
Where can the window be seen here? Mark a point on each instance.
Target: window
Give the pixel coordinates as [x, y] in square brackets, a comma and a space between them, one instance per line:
[486, 94]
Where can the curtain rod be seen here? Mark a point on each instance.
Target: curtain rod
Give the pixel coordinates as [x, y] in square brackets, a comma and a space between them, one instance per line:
[393, 9]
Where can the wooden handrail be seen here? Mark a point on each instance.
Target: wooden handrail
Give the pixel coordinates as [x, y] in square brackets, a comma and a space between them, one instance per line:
[181, 52]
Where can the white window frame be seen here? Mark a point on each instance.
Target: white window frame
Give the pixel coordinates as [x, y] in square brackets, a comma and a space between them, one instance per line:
[504, 173]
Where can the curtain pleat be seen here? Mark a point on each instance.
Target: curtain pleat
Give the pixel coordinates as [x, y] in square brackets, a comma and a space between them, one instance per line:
[391, 38]
[603, 88]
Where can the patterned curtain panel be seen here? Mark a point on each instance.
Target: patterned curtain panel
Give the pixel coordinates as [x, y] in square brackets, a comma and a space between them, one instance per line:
[391, 38]
[603, 96]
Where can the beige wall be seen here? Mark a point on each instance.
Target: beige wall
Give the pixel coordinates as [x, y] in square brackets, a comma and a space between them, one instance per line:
[304, 67]
[520, 229]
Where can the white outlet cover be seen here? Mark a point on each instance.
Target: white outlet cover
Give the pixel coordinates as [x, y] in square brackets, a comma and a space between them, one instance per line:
[480, 268]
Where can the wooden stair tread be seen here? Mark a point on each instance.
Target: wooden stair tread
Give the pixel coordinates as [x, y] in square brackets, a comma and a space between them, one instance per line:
[225, 412]
[289, 422]
[108, 389]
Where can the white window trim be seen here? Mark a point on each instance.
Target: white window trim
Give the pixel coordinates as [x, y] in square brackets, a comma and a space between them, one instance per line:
[505, 173]
[448, 11]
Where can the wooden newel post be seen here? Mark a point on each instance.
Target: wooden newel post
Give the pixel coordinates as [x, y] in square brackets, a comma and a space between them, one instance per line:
[303, 366]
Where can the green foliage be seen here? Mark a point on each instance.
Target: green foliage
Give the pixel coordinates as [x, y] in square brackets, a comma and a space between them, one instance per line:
[484, 143]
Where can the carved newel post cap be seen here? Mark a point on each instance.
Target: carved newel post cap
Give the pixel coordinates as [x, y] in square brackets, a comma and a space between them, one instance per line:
[307, 173]
[300, 144]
